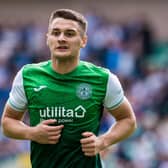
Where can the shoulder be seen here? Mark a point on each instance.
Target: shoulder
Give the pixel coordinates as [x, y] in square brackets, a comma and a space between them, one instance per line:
[95, 69]
[35, 67]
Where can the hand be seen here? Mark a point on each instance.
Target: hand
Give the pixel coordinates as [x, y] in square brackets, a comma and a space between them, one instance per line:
[43, 133]
[91, 144]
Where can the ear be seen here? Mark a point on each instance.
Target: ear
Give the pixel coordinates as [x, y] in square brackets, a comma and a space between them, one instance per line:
[47, 39]
[84, 41]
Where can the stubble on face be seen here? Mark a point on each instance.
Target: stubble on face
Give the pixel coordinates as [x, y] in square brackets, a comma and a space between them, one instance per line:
[64, 39]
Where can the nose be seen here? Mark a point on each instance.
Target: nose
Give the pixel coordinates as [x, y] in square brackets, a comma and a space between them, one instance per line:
[61, 37]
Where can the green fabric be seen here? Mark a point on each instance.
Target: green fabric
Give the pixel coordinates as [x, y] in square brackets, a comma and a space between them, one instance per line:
[75, 100]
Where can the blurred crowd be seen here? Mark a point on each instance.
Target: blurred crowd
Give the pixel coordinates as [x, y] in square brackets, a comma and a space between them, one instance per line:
[130, 50]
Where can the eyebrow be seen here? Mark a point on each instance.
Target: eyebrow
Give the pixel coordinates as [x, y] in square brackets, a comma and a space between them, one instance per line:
[68, 29]
[57, 29]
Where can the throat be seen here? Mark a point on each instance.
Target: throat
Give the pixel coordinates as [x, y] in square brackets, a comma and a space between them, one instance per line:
[64, 66]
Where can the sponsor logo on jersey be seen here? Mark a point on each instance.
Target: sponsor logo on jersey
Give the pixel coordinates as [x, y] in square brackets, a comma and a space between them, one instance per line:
[37, 89]
[84, 91]
[62, 114]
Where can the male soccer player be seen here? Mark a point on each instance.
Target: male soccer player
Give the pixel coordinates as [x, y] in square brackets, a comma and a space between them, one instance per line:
[65, 98]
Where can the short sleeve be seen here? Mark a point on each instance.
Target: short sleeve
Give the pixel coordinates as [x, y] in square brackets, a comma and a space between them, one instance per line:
[114, 92]
[17, 99]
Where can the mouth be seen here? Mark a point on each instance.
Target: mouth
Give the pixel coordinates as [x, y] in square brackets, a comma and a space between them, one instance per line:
[62, 48]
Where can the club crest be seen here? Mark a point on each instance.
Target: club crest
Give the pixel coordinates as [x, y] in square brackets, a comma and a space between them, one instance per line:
[84, 91]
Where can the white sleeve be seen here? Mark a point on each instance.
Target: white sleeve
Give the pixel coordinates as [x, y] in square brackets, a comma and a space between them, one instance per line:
[114, 92]
[17, 98]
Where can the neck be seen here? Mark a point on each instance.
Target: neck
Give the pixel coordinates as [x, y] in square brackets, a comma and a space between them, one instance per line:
[64, 66]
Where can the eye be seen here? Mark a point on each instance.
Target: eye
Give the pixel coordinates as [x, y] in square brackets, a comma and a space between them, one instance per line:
[70, 33]
[55, 33]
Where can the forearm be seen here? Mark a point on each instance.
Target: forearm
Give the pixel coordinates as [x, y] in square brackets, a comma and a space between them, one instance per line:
[16, 129]
[124, 126]
[42, 133]
[121, 130]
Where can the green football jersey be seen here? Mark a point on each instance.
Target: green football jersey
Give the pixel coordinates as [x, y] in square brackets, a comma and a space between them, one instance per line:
[75, 100]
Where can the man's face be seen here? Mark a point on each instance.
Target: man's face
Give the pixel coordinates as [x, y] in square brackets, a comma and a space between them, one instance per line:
[64, 38]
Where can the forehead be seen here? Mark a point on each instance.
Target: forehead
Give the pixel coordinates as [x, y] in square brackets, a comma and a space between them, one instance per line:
[64, 24]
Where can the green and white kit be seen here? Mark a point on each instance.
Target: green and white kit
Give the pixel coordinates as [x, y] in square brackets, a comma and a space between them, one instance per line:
[74, 99]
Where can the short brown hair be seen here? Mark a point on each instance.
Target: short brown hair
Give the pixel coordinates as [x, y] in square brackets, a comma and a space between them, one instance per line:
[70, 14]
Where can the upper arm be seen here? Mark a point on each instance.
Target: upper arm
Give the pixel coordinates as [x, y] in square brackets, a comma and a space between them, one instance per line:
[17, 101]
[114, 92]
[124, 110]
[11, 113]
[17, 97]
[12, 125]
[115, 102]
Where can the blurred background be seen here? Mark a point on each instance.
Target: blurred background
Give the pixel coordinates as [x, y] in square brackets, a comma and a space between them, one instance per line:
[129, 37]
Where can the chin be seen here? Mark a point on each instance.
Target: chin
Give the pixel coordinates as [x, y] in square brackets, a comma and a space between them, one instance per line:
[63, 56]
